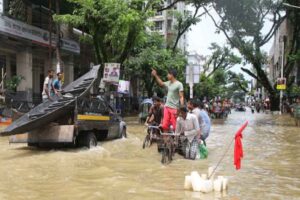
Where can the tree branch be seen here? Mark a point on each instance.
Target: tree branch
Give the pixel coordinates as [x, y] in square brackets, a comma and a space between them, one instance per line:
[249, 73]
[169, 6]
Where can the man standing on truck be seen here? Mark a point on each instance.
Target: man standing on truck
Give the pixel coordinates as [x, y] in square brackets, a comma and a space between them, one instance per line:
[175, 97]
[48, 89]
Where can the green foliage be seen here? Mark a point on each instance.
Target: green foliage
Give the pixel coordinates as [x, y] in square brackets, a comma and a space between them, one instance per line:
[115, 26]
[225, 84]
[14, 82]
[242, 22]
[221, 58]
[153, 54]
[17, 9]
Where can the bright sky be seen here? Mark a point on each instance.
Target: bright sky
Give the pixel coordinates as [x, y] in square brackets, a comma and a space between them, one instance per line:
[203, 34]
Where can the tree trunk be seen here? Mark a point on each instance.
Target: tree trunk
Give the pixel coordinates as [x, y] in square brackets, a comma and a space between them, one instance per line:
[274, 102]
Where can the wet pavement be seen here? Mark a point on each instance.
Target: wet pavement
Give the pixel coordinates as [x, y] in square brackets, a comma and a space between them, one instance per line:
[121, 169]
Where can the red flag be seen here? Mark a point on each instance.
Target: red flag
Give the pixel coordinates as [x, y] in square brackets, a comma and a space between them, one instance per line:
[238, 147]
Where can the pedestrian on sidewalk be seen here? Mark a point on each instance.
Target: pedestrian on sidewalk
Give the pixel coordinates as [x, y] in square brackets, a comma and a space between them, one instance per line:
[57, 84]
[48, 89]
[175, 98]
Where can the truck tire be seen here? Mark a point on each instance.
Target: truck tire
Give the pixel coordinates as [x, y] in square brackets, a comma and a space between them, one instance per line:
[88, 140]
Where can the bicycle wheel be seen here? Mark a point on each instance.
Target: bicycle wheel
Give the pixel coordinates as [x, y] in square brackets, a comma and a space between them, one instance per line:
[171, 149]
[163, 155]
[146, 142]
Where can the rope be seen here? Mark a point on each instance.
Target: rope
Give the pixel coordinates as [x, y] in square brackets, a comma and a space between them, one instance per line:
[221, 159]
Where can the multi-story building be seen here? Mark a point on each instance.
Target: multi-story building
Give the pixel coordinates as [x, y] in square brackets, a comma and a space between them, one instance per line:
[28, 41]
[165, 21]
[283, 36]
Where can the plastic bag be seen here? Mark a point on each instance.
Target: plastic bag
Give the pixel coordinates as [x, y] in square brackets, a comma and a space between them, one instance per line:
[203, 151]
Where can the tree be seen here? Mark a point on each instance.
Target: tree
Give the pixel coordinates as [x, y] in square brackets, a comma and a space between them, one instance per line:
[221, 58]
[242, 22]
[293, 16]
[152, 53]
[114, 27]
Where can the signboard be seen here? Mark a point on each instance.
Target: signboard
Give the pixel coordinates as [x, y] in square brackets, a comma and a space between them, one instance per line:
[35, 34]
[124, 87]
[1, 6]
[281, 84]
[111, 72]
[192, 74]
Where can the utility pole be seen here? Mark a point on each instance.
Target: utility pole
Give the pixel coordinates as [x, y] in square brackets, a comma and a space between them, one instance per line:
[281, 76]
[58, 60]
[50, 34]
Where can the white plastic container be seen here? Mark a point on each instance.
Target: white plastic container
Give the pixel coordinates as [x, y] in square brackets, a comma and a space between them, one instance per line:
[188, 183]
[218, 185]
[197, 182]
[208, 186]
[210, 171]
[225, 184]
[204, 176]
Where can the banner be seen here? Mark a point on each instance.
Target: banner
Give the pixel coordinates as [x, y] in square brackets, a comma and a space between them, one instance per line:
[35, 34]
[281, 84]
[111, 72]
[192, 74]
[124, 87]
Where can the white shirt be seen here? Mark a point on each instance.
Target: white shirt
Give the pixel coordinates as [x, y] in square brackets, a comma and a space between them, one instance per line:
[189, 126]
[48, 85]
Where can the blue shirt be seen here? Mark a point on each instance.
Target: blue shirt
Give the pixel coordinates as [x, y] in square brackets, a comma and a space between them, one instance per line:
[57, 84]
[206, 120]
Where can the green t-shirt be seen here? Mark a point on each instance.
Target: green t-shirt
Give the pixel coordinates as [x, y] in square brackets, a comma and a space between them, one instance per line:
[173, 93]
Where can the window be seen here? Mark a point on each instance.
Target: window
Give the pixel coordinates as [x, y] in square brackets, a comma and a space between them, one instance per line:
[157, 26]
[169, 24]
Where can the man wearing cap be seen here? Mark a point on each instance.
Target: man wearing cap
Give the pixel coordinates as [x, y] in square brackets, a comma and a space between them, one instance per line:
[175, 98]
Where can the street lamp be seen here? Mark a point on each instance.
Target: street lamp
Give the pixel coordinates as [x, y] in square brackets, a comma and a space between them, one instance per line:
[289, 5]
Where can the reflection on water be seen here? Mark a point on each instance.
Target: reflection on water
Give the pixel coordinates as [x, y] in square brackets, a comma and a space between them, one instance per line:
[121, 169]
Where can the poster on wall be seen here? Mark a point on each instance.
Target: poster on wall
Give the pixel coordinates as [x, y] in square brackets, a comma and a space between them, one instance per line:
[124, 87]
[111, 72]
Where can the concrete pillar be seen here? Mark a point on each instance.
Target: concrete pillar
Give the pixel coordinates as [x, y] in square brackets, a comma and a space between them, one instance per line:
[24, 69]
[8, 67]
[68, 69]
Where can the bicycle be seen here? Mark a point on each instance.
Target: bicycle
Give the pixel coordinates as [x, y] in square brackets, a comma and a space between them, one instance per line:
[152, 134]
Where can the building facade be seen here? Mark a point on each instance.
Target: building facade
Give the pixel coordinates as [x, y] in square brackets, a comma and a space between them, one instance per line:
[165, 21]
[28, 42]
[283, 36]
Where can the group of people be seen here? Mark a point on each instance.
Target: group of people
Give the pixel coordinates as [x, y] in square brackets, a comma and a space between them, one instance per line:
[191, 120]
[51, 86]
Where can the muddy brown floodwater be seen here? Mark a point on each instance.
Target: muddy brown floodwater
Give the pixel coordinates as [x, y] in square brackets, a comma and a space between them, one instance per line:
[121, 169]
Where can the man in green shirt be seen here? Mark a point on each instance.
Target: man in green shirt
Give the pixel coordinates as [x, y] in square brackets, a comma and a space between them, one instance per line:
[175, 98]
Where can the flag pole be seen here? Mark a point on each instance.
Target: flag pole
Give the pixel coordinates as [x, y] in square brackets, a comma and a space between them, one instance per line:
[228, 147]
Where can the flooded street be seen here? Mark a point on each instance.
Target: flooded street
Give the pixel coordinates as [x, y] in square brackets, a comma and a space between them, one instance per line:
[121, 169]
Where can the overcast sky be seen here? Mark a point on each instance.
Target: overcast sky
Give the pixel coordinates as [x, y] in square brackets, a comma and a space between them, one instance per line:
[203, 34]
